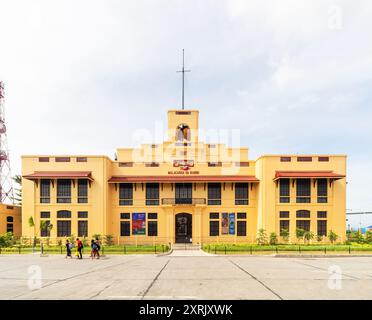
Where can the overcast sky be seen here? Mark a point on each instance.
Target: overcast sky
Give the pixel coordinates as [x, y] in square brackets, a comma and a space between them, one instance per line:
[293, 76]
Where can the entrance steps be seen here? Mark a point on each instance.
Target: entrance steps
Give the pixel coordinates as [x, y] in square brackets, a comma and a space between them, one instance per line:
[185, 246]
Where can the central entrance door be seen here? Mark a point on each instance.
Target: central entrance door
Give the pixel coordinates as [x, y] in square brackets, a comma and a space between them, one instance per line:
[183, 228]
[183, 193]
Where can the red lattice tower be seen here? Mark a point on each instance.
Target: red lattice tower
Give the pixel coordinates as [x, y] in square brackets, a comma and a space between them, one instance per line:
[6, 182]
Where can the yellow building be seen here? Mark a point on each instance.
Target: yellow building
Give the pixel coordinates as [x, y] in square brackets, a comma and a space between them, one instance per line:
[10, 219]
[183, 190]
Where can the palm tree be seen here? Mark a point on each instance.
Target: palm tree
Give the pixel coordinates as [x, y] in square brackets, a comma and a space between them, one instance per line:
[332, 236]
[308, 235]
[299, 233]
[18, 194]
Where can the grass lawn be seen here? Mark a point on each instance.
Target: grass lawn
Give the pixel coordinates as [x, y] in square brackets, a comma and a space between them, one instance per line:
[287, 248]
[114, 249]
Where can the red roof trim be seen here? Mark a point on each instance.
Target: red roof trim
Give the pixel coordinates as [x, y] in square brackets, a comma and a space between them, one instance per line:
[183, 178]
[308, 174]
[60, 175]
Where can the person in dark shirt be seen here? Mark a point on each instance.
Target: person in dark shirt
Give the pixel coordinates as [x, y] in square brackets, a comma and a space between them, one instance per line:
[68, 249]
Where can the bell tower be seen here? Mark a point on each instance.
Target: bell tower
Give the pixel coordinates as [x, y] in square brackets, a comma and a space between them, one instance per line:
[183, 126]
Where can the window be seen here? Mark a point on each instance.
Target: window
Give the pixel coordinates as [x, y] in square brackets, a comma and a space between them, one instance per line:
[63, 159]
[9, 219]
[126, 194]
[64, 191]
[283, 225]
[43, 159]
[241, 193]
[81, 159]
[153, 228]
[64, 214]
[303, 224]
[304, 159]
[44, 191]
[9, 227]
[214, 215]
[322, 214]
[322, 191]
[45, 215]
[124, 228]
[302, 214]
[242, 164]
[241, 228]
[82, 191]
[124, 215]
[63, 228]
[45, 232]
[152, 164]
[214, 193]
[152, 215]
[82, 214]
[125, 164]
[214, 228]
[83, 228]
[285, 159]
[214, 164]
[152, 194]
[284, 190]
[323, 159]
[242, 215]
[284, 214]
[322, 228]
[303, 191]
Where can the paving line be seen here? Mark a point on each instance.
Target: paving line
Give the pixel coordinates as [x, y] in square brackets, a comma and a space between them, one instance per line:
[253, 277]
[326, 270]
[153, 281]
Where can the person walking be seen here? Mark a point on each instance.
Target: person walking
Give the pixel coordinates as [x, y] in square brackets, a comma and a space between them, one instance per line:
[68, 249]
[98, 243]
[94, 248]
[79, 245]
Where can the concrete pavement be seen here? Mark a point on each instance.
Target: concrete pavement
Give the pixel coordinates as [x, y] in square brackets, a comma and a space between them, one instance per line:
[178, 276]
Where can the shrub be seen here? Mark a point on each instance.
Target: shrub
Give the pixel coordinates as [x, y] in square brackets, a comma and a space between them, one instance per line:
[109, 239]
[273, 238]
[308, 235]
[299, 233]
[332, 236]
[261, 237]
[6, 239]
[285, 235]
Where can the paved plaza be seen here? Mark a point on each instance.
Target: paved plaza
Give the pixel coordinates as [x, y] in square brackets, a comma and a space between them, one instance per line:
[191, 276]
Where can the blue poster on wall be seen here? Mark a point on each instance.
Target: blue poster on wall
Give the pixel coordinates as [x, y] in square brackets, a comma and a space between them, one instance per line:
[231, 223]
[139, 223]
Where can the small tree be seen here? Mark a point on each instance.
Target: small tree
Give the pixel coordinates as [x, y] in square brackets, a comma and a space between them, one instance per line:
[285, 235]
[299, 234]
[273, 239]
[261, 237]
[18, 189]
[109, 239]
[319, 238]
[332, 236]
[308, 235]
[368, 238]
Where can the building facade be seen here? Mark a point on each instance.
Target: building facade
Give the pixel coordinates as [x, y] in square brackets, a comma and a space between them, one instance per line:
[10, 219]
[183, 190]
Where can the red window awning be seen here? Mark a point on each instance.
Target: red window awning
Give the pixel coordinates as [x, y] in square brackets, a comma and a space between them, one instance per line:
[308, 174]
[59, 175]
[182, 178]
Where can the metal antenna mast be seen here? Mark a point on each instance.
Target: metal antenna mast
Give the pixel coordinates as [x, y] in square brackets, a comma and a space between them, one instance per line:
[6, 183]
[183, 78]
